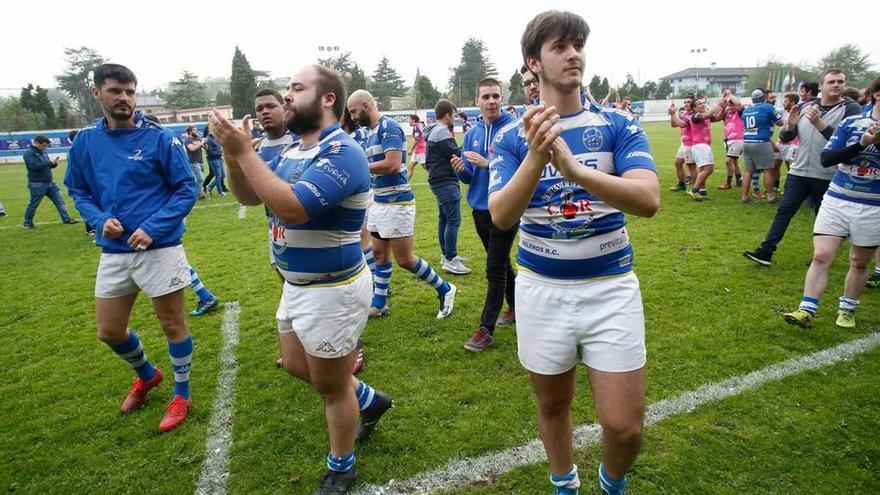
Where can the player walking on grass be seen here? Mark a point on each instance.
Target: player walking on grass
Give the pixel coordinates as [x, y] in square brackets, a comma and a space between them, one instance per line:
[317, 193]
[130, 178]
[570, 173]
[850, 209]
[392, 214]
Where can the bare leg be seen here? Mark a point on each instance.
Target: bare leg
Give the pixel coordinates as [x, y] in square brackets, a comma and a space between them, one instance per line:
[859, 270]
[620, 408]
[824, 250]
[112, 316]
[554, 394]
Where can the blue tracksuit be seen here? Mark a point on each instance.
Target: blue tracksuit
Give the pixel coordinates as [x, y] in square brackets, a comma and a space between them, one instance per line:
[139, 175]
[479, 138]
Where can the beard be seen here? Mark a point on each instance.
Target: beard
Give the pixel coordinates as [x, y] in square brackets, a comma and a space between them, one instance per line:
[305, 119]
[119, 112]
[363, 120]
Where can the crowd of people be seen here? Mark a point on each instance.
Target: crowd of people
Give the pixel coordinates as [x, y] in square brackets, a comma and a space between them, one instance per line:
[828, 143]
[334, 177]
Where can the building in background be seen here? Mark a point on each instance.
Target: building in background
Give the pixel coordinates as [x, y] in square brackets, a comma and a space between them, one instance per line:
[710, 80]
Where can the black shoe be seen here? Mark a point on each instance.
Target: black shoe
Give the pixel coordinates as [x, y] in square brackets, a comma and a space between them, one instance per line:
[758, 257]
[336, 483]
[2, 214]
[71, 221]
[28, 226]
[370, 417]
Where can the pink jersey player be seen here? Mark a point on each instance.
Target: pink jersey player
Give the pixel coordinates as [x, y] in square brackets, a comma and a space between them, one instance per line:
[733, 126]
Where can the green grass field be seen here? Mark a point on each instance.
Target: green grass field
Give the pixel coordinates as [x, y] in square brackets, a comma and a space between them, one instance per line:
[710, 315]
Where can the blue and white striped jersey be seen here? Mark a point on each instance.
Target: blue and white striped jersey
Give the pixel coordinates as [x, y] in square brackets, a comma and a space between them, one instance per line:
[566, 232]
[388, 188]
[360, 135]
[269, 148]
[859, 179]
[332, 181]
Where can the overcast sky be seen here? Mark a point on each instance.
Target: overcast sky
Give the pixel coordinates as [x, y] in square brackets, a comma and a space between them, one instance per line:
[159, 39]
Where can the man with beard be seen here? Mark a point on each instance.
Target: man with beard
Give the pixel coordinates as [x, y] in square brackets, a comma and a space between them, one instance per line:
[130, 178]
[317, 193]
[570, 173]
[473, 169]
[392, 215]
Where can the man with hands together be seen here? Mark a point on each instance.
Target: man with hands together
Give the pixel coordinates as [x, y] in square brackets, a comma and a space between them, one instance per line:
[568, 174]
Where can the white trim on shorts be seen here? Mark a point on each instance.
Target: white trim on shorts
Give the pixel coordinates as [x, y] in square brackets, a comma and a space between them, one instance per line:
[156, 272]
[842, 218]
[327, 319]
[419, 158]
[601, 319]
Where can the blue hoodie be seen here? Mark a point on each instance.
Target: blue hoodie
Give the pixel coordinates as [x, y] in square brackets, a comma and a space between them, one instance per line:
[479, 139]
[139, 175]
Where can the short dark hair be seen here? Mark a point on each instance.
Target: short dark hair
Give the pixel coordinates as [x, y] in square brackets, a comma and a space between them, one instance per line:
[117, 72]
[852, 93]
[567, 25]
[812, 87]
[72, 134]
[41, 139]
[269, 92]
[831, 70]
[443, 108]
[329, 81]
[873, 88]
[415, 117]
[792, 97]
[485, 83]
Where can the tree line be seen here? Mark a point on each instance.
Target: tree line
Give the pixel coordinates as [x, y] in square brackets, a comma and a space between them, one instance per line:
[34, 108]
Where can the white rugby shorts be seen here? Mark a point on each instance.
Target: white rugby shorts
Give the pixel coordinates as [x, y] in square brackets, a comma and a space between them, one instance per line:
[156, 272]
[327, 319]
[734, 148]
[603, 320]
[702, 154]
[842, 218]
[684, 153]
[391, 221]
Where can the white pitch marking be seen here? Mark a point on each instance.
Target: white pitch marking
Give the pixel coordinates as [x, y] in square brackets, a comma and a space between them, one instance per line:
[242, 211]
[215, 469]
[463, 472]
[215, 205]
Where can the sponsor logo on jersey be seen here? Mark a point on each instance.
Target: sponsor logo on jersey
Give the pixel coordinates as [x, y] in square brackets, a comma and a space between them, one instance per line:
[560, 202]
[136, 155]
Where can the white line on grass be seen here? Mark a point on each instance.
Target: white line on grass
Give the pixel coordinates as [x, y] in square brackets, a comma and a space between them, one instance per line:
[215, 469]
[242, 211]
[215, 205]
[462, 472]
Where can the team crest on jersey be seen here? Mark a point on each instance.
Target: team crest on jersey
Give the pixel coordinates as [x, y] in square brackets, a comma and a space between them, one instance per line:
[335, 146]
[136, 155]
[568, 208]
[476, 143]
[593, 139]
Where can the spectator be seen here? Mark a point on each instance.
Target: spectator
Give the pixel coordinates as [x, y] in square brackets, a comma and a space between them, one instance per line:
[441, 147]
[194, 147]
[40, 183]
